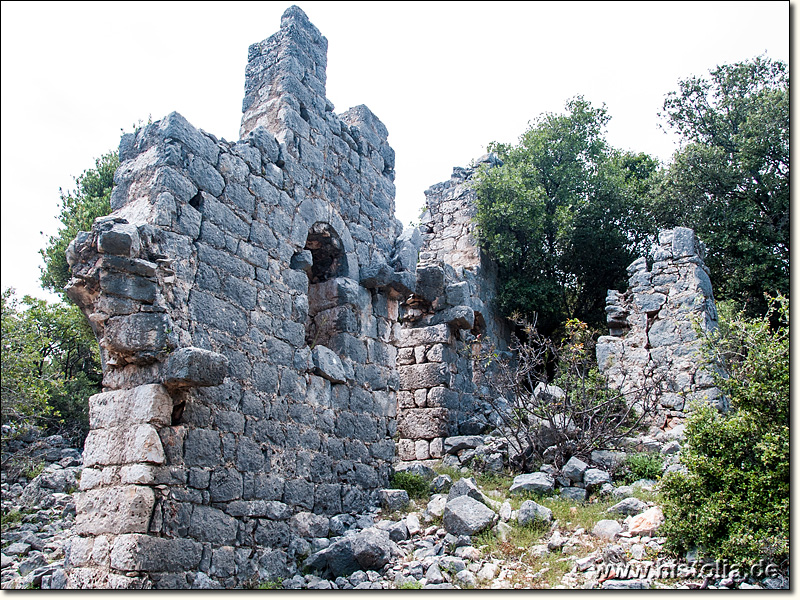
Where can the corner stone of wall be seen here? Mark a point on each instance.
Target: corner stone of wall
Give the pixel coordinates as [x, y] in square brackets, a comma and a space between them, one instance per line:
[653, 325]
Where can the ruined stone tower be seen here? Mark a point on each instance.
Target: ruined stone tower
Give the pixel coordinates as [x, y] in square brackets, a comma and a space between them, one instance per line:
[272, 340]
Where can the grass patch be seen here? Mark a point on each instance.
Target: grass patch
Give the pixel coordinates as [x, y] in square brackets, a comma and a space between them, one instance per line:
[11, 518]
[499, 482]
[410, 585]
[416, 485]
[454, 473]
[584, 515]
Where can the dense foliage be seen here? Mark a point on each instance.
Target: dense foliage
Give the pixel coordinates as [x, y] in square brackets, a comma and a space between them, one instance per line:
[50, 366]
[563, 216]
[79, 208]
[730, 180]
[733, 502]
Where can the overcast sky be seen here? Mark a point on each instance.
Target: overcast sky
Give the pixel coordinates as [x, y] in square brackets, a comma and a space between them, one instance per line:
[446, 79]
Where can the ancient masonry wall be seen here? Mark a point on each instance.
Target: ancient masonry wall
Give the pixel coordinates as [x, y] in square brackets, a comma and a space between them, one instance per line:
[652, 325]
[452, 305]
[244, 296]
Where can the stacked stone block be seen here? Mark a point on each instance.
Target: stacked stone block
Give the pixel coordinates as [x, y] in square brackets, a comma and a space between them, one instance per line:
[654, 326]
[451, 307]
[249, 377]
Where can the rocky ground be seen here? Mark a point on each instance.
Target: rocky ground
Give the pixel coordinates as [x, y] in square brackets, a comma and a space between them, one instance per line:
[568, 528]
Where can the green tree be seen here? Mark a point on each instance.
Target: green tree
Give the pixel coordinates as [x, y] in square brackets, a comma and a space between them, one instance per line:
[733, 501]
[50, 366]
[730, 180]
[79, 208]
[563, 216]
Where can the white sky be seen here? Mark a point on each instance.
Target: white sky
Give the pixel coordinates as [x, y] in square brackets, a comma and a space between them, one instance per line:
[446, 78]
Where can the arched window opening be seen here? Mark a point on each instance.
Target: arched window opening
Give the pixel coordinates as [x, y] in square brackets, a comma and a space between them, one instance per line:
[327, 252]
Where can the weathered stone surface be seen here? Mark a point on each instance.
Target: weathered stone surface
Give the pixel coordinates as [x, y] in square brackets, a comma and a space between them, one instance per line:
[140, 332]
[465, 487]
[428, 375]
[534, 482]
[423, 423]
[647, 522]
[436, 334]
[574, 493]
[593, 478]
[195, 367]
[607, 529]
[114, 510]
[123, 445]
[328, 365]
[628, 506]
[466, 516]
[373, 549]
[133, 552]
[454, 444]
[394, 499]
[574, 469]
[530, 512]
[140, 405]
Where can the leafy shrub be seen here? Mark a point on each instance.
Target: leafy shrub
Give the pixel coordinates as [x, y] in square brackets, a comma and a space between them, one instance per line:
[415, 485]
[734, 501]
[641, 465]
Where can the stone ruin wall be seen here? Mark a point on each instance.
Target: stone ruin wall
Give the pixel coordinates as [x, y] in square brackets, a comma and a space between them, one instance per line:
[245, 307]
[268, 332]
[453, 303]
[653, 341]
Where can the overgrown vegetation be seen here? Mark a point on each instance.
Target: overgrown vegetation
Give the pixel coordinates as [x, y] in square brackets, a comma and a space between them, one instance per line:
[551, 399]
[416, 485]
[50, 366]
[730, 180]
[733, 503]
[563, 216]
[90, 199]
[639, 465]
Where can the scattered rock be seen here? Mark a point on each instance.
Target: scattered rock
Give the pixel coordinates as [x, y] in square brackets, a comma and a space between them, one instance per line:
[530, 511]
[534, 482]
[466, 516]
[607, 529]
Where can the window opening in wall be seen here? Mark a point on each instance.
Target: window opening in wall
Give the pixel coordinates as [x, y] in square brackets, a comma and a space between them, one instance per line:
[327, 253]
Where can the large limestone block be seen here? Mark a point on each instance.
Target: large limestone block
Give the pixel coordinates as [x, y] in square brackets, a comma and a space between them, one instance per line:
[134, 552]
[423, 423]
[114, 510]
[123, 445]
[467, 516]
[140, 405]
[533, 482]
[435, 334]
[195, 367]
[426, 375]
[139, 332]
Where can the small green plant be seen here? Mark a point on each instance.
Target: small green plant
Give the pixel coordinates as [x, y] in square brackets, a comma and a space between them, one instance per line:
[410, 585]
[34, 470]
[271, 585]
[10, 518]
[416, 485]
[641, 465]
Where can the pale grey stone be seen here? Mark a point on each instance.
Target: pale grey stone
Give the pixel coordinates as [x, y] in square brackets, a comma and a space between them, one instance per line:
[466, 516]
[530, 512]
[574, 469]
[534, 482]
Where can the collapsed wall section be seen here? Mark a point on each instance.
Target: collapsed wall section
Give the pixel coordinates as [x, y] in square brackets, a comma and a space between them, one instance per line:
[654, 343]
[452, 306]
[249, 376]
